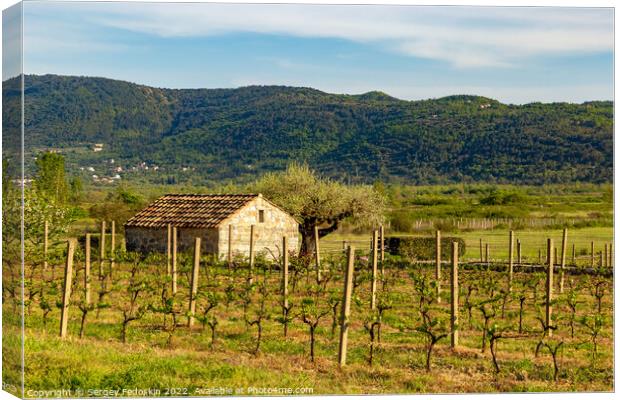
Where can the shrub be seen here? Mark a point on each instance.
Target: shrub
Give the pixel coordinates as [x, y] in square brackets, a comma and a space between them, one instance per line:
[501, 197]
[402, 221]
[422, 248]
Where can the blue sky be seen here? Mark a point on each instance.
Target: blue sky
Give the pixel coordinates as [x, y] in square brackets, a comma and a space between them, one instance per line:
[516, 55]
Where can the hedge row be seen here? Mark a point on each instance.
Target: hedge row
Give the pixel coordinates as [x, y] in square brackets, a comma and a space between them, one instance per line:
[422, 248]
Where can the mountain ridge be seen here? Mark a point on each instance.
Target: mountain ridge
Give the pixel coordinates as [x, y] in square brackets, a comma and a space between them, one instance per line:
[242, 132]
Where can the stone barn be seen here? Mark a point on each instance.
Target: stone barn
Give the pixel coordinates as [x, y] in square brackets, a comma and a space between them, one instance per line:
[209, 217]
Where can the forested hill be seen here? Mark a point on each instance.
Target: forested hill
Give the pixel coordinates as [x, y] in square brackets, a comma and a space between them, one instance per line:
[240, 133]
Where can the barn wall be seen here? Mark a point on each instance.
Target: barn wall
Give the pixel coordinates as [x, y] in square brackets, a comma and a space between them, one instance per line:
[267, 235]
[147, 240]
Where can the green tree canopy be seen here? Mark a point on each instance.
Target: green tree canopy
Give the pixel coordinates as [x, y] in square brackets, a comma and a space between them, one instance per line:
[50, 181]
[314, 200]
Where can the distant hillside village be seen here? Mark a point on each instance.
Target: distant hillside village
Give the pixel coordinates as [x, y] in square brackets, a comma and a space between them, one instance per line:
[109, 170]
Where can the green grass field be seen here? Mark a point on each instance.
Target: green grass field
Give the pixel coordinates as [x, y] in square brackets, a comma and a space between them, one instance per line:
[498, 239]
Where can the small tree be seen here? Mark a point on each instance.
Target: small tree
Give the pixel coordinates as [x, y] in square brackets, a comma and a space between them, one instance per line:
[374, 320]
[572, 301]
[370, 324]
[44, 303]
[594, 325]
[597, 289]
[166, 304]
[554, 347]
[533, 282]
[50, 179]
[208, 316]
[385, 301]
[488, 309]
[260, 314]
[494, 333]
[431, 326]
[229, 292]
[317, 201]
[520, 293]
[545, 328]
[334, 300]
[469, 303]
[245, 296]
[135, 286]
[85, 309]
[311, 314]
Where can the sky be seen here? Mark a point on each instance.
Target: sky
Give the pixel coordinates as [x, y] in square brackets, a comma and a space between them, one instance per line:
[513, 54]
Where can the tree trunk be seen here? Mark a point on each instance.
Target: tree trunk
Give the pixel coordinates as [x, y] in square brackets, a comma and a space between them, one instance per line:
[307, 240]
[494, 356]
[372, 345]
[556, 369]
[307, 236]
[521, 317]
[124, 332]
[312, 343]
[258, 339]
[212, 334]
[83, 323]
[484, 335]
[428, 356]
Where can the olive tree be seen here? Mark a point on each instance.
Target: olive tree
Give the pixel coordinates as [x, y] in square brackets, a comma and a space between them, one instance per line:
[317, 201]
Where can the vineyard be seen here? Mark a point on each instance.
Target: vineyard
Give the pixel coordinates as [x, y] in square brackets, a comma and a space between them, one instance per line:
[350, 321]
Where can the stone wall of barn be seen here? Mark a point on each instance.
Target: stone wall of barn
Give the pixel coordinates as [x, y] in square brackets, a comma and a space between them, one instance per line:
[149, 240]
[267, 234]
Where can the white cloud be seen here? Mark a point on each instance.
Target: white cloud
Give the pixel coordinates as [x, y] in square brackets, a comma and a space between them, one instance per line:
[462, 36]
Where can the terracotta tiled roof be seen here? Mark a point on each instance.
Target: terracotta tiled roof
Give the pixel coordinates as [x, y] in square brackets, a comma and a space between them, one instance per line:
[190, 210]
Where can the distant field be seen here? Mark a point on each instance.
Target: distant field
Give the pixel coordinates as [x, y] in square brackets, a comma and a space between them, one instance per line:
[531, 241]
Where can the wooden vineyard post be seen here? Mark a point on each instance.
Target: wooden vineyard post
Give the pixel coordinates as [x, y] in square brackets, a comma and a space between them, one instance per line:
[87, 270]
[382, 246]
[519, 252]
[317, 253]
[511, 239]
[285, 271]
[229, 255]
[373, 284]
[169, 249]
[486, 254]
[454, 306]
[600, 259]
[284, 279]
[481, 258]
[563, 258]
[194, 283]
[346, 308]
[574, 259]
[112, 246]
[611, 257]
[251, 270]
[101, 250]
[592, 254]
[549, 288]
[539, 256]
[45, 244]
[438, 263]
[66, 296]
[174, 259]
[605, 259]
